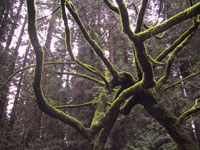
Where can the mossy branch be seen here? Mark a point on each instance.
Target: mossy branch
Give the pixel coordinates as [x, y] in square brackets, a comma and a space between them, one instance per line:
[28, 67]
[98, 50]
[125, 19]
[170, 60]
[186, 115]
[69, 47]
[111, 6]
[67, 30]
[111, 114]
[180, 81]
[177, 42]
[40, 98]
[140, 16]
[84, 76]
[142, 57]
[184, 15]
[75, 106]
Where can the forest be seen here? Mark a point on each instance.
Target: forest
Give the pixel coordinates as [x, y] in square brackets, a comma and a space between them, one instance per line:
[99, 75]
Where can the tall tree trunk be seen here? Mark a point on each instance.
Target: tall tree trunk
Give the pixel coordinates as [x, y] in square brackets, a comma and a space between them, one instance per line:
[111, 41]
[11, 68]
[14, 25]
[13, 114]
[6, 10]
[197, 129]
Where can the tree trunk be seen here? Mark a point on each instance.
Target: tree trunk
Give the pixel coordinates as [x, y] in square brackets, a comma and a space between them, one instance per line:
[14, 25]
[197, 130]
[16, 101]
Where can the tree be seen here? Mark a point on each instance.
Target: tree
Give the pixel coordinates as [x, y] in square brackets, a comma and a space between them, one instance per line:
[145, 90]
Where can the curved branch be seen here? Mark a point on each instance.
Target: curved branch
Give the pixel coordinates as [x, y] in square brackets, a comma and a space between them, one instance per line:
[140, 50]
[98, 50]
[184, 15]
[111, 6]
[69, 48]
[40, 98]
[83, 76]
[114, 109]
[195, 108]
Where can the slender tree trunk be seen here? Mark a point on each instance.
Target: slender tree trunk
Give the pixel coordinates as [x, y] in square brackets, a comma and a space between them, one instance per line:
[111, 41]
[197, 130]
[13, 114]
[14, 25]
[11, 68]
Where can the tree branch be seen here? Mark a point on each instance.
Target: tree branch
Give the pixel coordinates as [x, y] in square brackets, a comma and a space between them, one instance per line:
[139, 47]
[140, 16]
[40, 98]
[111, 114]
[184, 15]
[98, 50]
[177, 42]
[186, 115]
[28, 67]
[170, 60]
[74, 106]
[83, 76]
[126, 28]
[69, 48]
[180, 81]
[111, 6]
